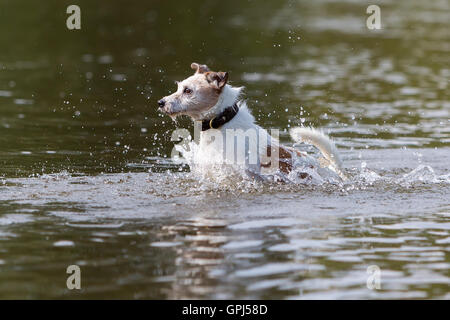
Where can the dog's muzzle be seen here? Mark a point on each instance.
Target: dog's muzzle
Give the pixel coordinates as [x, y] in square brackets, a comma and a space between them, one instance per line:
[161, 103]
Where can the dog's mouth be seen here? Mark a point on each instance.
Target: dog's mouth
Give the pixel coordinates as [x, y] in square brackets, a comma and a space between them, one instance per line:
[170, 113]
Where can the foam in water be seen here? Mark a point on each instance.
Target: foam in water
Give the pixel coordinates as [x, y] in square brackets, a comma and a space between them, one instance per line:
[228, 175]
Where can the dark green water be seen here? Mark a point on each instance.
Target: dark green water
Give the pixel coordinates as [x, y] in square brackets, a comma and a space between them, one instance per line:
[86, 179]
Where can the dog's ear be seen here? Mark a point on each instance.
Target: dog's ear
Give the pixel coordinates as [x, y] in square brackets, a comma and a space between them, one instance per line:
[199, 68]
[217, 79]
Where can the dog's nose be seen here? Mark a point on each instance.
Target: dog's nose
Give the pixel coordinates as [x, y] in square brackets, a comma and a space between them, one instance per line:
[161, 103]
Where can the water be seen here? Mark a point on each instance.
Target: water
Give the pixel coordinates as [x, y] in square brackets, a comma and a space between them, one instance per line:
[86, 177]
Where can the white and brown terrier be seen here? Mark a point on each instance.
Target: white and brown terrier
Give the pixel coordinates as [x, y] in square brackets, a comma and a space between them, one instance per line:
[229, 134]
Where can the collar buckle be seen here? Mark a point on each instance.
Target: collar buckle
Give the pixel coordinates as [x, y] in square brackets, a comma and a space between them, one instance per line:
[221, 119]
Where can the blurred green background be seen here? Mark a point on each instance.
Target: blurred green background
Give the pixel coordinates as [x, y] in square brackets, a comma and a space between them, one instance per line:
[85, 100]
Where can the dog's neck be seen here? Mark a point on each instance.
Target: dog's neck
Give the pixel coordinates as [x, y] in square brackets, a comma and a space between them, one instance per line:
[228, 97]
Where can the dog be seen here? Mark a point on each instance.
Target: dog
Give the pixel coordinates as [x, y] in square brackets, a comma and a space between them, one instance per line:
[230, 136]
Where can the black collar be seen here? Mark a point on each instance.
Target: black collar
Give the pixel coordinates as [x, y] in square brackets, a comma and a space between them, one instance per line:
[220, 119]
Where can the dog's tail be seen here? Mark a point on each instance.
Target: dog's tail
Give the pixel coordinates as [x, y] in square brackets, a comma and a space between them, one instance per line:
[321, 142]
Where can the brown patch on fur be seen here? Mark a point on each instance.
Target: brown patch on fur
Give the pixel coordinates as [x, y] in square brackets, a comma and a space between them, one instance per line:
[208, 97]
[203, 97]
[199, 68]
[217, 79]
[284, 159]
[205, 86]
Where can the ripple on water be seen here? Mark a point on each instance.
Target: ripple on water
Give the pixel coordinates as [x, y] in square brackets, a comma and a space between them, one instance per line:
[237, 245]
[165, 244]
[285, 222]
[23, 101]
[95, 226]
[420, 225]
[276, 268]
[64, 243]
[15, 218]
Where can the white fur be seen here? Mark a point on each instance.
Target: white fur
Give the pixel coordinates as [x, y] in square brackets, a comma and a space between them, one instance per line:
[211, 148]
[320, 141]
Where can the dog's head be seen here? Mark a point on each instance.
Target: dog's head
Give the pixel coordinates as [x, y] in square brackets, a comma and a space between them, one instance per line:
[196, 94]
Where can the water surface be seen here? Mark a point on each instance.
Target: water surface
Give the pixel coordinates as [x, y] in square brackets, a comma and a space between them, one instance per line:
[86, 176]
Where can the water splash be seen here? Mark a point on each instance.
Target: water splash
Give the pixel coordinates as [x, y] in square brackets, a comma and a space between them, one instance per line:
[423, 174]
[215, 177]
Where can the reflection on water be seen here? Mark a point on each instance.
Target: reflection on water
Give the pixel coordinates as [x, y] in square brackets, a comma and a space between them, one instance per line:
[164, 235]
[85, 176]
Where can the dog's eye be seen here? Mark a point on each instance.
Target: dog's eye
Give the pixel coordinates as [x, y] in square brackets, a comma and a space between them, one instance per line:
[187, 91]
